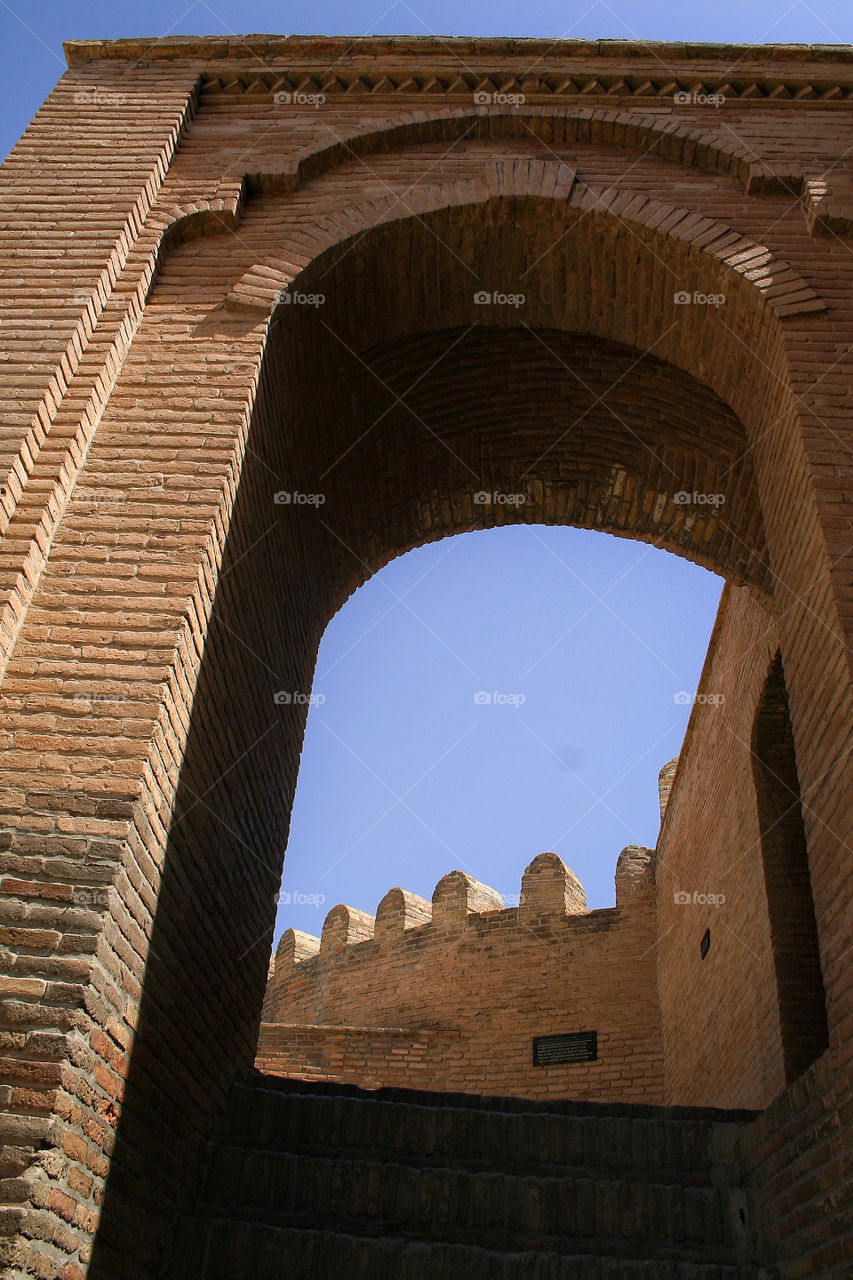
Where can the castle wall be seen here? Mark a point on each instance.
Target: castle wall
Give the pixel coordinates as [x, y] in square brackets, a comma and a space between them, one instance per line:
[450, 995]
[355, 1011]
[720, 1020]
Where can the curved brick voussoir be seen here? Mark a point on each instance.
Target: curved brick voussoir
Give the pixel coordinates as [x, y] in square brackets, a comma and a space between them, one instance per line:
[343, 926]
[784, 290]
[457, 895]
[635, 874]
[548, 887]
[676, 140]
[398, 911]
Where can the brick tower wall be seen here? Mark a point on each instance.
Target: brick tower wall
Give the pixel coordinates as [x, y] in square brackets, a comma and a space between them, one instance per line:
[719, 1013]
[450, 994]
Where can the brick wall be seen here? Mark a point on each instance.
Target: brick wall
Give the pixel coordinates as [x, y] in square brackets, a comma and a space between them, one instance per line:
[483, 981]
[155, 597]
[795, 1155]
[720, 1012]
[368, 1056]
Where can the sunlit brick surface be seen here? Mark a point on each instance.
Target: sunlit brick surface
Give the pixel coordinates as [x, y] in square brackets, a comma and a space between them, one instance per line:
[450, 994]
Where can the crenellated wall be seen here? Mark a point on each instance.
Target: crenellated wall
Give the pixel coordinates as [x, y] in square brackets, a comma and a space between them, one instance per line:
[450, 994]
[701, 1026]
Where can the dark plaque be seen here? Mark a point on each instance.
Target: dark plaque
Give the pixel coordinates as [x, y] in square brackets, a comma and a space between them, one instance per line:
[574, 1046]
[705, 944]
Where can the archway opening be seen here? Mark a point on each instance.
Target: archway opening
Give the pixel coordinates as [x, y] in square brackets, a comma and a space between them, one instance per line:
[485, 698]
[485, 729]
[429, 412]
[793, 929]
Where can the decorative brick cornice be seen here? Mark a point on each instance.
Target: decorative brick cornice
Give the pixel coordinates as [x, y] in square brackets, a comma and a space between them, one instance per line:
[532, 86]
[540, 70]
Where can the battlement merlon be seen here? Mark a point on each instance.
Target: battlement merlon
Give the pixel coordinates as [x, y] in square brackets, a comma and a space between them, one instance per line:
[344, 926]
[458, 895]
[548, 889]
[398, 911]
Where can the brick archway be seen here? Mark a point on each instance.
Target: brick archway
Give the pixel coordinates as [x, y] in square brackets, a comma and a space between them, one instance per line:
[646, 134]
[165, 579]
[783, 290]
[355, 430]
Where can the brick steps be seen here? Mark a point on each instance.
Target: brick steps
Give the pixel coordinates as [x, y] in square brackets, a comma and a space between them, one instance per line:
[226, 1250]
[318, 1180]
[585, 1144]
[633, 1219]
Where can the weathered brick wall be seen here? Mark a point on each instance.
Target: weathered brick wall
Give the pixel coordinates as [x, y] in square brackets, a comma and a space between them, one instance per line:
[76, 264]
[796, 1156]
[719, 1014]
[370, 1057]
[143, 838]
[490, 976]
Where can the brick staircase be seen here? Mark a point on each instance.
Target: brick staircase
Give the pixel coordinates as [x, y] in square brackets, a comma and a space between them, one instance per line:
[323, 1181]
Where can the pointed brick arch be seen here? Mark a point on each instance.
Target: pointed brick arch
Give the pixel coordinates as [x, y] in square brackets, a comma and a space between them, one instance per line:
[147, 566]
[673, 139]
[782, 288]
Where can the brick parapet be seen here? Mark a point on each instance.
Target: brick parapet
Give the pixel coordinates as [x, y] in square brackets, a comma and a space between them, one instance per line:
[490, 977]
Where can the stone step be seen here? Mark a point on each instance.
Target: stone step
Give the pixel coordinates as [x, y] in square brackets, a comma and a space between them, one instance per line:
[658, 1145]
[225, 1249]
[495, 1102]
[630, 1219]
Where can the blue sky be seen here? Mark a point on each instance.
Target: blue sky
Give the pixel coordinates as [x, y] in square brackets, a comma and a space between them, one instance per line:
[586, 639]
[580, 640]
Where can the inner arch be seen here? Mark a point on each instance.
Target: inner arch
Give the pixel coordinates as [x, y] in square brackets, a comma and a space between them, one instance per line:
[552, 427]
